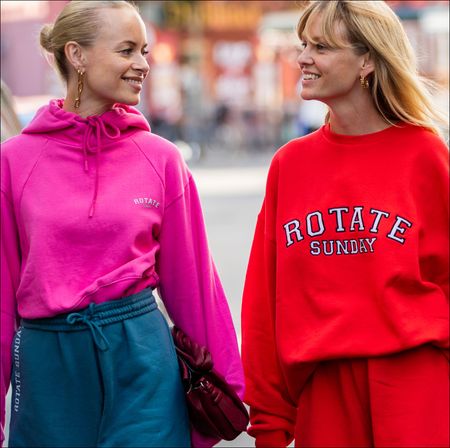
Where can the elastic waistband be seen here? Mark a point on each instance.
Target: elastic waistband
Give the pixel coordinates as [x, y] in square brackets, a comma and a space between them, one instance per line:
[102, 314]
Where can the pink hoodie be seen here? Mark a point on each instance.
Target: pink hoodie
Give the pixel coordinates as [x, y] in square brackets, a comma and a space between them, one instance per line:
[100, 208]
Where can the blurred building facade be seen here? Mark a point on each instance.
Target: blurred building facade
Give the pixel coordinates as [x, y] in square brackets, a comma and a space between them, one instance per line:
[223, 73]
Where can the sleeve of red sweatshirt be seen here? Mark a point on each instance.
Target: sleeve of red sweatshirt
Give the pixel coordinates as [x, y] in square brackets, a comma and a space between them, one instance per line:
[10, 271]
[272, 414]
[431, 193]
[190, 287]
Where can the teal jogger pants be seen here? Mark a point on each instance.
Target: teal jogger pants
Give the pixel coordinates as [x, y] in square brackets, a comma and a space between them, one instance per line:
[105, 376]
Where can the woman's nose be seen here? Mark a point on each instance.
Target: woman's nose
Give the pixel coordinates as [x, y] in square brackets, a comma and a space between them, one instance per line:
[304, 57]
[142, 64]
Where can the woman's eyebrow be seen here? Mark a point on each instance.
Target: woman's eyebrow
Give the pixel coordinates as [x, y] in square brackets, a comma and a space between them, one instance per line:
[128, 42]
[132, 43]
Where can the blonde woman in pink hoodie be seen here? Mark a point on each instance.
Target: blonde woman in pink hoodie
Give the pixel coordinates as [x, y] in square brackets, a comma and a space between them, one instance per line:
[96, 213]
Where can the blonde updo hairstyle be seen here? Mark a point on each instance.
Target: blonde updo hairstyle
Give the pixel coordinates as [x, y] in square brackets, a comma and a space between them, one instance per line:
[79, 21]
[398, 91]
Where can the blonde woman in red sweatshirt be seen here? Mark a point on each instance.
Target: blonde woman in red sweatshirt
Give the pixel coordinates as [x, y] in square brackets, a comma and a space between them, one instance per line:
[345, 313]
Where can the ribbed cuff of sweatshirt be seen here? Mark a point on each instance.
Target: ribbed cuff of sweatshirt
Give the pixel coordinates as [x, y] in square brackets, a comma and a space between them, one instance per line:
[272, 439]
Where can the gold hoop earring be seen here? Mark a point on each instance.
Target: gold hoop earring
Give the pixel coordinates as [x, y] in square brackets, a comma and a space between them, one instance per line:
[364, 82]
[80, 85]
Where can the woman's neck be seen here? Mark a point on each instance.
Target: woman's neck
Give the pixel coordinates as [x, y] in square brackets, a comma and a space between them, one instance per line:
[356, 119]
[86, 109]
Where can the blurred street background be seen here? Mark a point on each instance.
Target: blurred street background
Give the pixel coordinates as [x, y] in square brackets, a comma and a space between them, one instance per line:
[223, 86]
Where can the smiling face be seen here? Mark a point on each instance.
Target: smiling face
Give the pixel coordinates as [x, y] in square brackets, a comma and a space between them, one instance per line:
[329, 73]
[115, 66]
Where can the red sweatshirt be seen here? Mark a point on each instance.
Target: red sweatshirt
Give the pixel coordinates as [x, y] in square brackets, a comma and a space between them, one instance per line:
[350, 259]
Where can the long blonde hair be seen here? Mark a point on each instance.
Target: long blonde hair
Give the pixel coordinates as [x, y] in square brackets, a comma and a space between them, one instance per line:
[79, 21]
[398, 91]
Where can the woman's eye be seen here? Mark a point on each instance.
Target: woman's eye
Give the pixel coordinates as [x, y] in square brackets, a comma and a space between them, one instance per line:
[321, 47]
[145, 52]
[126, 51]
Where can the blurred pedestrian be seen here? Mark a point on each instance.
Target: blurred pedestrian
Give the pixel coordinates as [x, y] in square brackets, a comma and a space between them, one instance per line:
[10, 123]
[96, 213]
[345, 313]
[311, 116]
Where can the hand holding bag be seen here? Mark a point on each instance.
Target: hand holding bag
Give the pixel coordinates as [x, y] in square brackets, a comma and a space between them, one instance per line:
[214, 407]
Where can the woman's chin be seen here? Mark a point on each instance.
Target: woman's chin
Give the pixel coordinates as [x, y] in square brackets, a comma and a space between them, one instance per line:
[307, 95]
[129, 100]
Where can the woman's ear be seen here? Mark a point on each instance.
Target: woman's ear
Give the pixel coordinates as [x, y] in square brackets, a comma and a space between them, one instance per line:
[74, 55]
[368, 65]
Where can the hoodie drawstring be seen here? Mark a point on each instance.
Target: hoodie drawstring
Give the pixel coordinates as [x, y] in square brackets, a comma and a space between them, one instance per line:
[96, 126]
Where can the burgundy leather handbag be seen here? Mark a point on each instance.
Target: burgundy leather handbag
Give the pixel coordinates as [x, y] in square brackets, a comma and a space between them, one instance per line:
[214, 407]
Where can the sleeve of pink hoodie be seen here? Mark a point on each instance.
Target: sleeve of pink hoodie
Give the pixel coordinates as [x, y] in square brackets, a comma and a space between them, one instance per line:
[191, 290]
[10, 270]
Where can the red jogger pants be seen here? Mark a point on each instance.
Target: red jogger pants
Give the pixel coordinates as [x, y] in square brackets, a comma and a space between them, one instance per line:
[400, 400]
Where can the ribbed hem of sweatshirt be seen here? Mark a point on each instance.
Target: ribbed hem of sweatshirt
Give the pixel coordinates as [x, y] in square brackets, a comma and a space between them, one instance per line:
[271, 439]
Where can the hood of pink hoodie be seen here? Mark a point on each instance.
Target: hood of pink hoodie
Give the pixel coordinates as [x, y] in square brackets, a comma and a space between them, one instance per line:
[88, 135]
